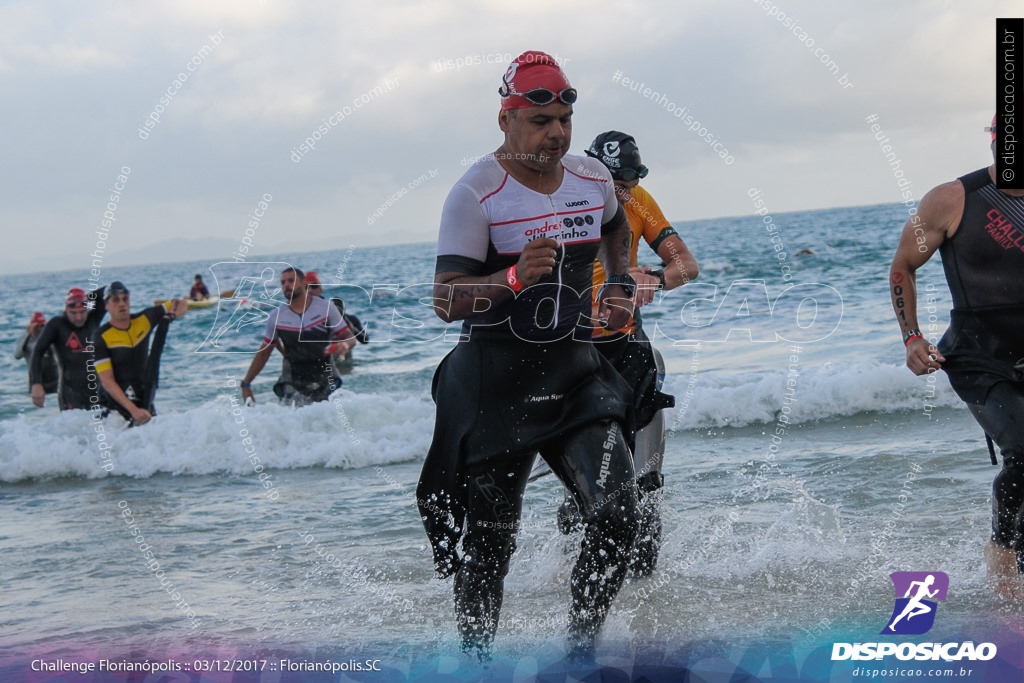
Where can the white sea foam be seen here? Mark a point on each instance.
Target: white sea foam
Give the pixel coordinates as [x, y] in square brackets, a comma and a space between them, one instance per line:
[360, 430]
[207, 439]
[833, 390]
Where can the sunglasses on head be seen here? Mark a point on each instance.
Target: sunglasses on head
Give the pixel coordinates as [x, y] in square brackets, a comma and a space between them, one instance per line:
[540, 96]
[629, 174]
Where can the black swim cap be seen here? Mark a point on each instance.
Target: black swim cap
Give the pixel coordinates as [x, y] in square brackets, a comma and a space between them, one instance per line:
[616, 150]
[116, 287]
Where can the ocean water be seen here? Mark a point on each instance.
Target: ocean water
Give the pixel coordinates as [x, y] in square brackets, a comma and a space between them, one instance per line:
[804, 464]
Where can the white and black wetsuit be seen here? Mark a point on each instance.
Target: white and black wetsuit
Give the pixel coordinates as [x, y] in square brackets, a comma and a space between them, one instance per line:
[305, 337]
[984, 346]
[342, 364]
[525, 378]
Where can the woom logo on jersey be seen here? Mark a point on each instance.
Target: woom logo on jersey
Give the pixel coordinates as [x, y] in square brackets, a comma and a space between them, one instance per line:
[913, 613]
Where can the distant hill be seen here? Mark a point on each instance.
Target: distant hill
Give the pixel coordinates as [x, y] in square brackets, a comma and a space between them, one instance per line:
[165, 251]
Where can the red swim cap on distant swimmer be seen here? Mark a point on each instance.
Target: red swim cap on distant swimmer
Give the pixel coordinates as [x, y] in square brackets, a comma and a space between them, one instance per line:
[530, 71]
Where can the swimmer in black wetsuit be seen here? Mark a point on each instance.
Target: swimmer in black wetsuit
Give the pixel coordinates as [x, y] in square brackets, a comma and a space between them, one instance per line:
[628, 348]
[979, 230]
[72, 335]
[49, 374]
[123, 360]
[519, 234]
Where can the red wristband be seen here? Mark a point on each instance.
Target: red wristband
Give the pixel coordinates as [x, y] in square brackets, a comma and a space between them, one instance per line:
[513, 281]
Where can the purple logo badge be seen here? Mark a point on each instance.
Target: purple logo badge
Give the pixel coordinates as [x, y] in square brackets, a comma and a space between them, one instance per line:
[916, 595]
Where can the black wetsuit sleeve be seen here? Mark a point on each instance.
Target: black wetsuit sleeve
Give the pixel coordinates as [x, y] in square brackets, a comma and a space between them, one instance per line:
[620, 215]
[99, 307]
[662, 236]
[453, 263]
[155, 313]
[46, 340]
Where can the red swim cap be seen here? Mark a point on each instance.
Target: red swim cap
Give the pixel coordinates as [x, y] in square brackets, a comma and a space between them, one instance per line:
[76, 295]
[312, 278]
[530, 70]
[38, 318]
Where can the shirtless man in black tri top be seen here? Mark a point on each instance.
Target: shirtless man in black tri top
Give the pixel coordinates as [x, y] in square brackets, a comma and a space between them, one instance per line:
[979, 230]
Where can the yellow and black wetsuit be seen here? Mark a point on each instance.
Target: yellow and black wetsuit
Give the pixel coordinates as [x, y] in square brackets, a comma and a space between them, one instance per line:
[126, 352]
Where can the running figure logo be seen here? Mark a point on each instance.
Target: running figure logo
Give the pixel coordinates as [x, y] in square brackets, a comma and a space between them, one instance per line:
[247, 309]
[914, 613]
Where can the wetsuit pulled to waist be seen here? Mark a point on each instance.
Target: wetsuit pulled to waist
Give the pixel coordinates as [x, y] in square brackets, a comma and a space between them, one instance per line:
[983, 346]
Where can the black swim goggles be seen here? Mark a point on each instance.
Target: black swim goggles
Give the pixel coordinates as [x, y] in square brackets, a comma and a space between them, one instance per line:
[629, 174]
[539, 96]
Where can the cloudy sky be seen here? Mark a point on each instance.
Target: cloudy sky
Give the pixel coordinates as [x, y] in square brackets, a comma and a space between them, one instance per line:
[80, 80]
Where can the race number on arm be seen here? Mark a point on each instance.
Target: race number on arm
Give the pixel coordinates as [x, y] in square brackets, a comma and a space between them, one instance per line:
[935, 221]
